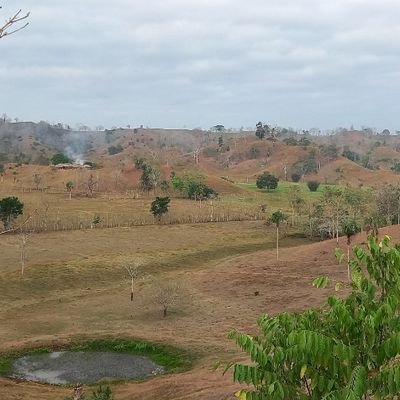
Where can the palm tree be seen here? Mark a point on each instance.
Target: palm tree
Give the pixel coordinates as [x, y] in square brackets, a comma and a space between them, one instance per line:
[277, 218]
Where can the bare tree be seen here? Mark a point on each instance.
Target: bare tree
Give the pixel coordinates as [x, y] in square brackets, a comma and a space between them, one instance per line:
[37, 180]
[136, 274]
[23, 242]
[78, 392]
[14, 24]
[91, 184]
[166, 294]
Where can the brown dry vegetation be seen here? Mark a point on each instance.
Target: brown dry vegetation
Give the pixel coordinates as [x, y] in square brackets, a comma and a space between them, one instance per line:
[75, 287]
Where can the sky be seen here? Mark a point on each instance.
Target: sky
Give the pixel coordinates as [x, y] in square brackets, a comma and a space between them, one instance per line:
[198, 63]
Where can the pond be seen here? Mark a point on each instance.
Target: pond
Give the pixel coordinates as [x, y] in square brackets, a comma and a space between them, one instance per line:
[68, 367]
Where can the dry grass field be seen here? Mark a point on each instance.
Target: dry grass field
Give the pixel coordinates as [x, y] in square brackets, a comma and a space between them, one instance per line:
[75, 287]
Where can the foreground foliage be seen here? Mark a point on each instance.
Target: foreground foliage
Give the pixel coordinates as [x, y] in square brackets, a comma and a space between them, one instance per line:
[101, 393]
[10, 209]
[347, 349]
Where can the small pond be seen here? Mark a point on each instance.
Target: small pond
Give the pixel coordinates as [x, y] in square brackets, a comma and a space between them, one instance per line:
[83, 367]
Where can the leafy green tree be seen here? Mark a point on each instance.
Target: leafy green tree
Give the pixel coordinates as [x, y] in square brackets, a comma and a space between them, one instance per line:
[267, 181]
[160, 206]
[346, 350]
[149, 179]
[351, 155]
[60, 158]
[313, 185]
[192, 187]
[296, 177]
[10, 209]
[261, 130]
[277, 218]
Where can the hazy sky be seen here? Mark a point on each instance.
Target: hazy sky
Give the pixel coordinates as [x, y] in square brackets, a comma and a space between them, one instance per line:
[171, 63]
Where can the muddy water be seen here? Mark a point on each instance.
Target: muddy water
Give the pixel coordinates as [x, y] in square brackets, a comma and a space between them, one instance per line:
[83, 367]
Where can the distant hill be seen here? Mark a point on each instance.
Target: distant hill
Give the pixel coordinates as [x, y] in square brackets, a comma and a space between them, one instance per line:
[224, 157]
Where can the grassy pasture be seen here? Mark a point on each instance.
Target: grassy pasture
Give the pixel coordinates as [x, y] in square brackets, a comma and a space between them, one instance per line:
[56, 212]
[75, 288]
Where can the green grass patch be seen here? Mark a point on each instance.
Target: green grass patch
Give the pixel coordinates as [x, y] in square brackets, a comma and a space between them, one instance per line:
[171, 358]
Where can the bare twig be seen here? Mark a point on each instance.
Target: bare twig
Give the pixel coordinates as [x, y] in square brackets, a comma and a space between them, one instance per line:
[7, 28]
[17, 228]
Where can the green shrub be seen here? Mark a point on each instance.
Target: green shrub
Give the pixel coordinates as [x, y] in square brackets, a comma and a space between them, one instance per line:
[115, 149]
[313, 185]
[296, 177]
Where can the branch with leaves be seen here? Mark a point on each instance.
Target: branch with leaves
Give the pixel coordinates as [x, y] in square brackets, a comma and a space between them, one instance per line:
[349, 349]
[14, 24]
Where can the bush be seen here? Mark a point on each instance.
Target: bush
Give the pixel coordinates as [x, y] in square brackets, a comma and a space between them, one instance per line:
[313, 185]
[60, 158]
[159, 207]
[115, 150]
[296, 177]
[267, 181]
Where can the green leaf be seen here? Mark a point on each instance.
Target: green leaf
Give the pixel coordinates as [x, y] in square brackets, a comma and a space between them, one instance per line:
[321, 282]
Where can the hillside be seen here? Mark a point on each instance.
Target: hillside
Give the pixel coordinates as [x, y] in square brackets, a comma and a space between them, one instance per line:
[350, 157]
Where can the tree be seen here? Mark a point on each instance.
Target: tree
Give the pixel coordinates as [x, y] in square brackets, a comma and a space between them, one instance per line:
[91, 184]
[166, 294]
[149, 178]
[2, 172]
[296, 201]
[69, 186]
[388, 203]
[260, 131]
[10, 209]
[267, 181]
[296, 177]
[37, 180]
[136, 274]
[349, 228]
[14, 24]
[348, 349]
[277, 218]
[23, 242]
[159, 207]
[193, 187]
[313, 185]
[60, 158]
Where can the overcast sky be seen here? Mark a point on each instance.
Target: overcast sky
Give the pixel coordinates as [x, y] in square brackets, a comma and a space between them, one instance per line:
[174, 63]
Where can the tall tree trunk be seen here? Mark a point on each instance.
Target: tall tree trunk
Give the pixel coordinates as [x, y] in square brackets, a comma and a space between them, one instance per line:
[348, 263]
[277, 243]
